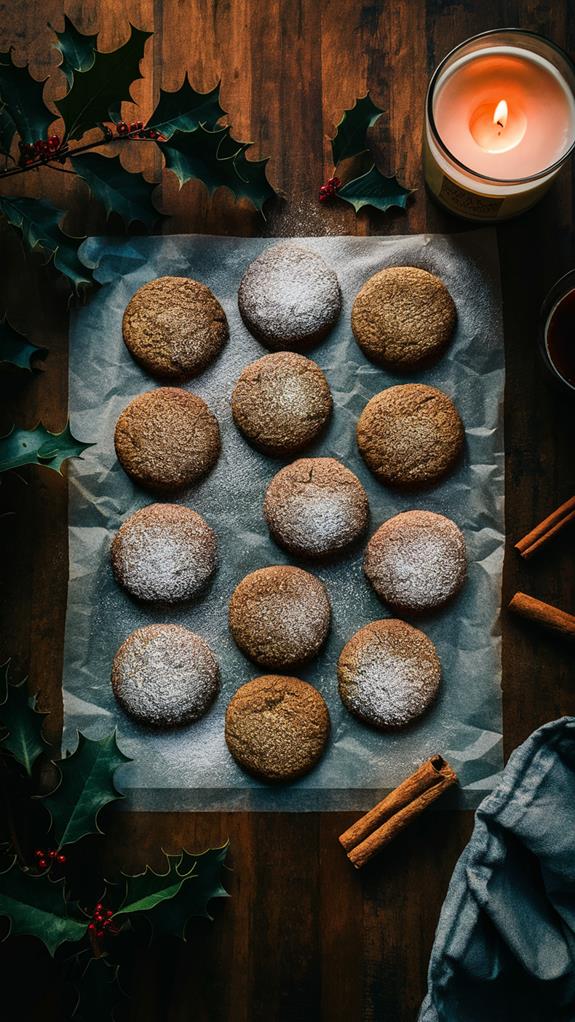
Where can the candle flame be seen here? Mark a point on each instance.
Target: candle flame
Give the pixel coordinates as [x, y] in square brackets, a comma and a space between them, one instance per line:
[501, 114]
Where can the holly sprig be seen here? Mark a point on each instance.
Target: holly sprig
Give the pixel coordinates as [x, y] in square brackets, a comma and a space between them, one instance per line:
[185, 125]
[361, 183]
[53, 887]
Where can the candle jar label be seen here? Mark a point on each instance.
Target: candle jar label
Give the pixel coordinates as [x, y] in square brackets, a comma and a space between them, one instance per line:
[480, 207]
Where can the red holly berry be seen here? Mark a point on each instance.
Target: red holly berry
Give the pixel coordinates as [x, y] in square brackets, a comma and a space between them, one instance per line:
[109, 912]
[91, 926]
[42, 863]
[334, 183]
[39, 853]
[152, 133]
[122, 128]
[61, 858]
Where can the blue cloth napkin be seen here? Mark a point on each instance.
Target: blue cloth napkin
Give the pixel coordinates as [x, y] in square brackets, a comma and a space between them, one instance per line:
[504, 950]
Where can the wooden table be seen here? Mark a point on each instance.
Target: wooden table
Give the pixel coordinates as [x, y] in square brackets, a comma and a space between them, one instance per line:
[303, 936]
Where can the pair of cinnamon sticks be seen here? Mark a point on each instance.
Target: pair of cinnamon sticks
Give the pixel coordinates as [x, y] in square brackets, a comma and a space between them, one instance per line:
[388, 818]
[559, 621]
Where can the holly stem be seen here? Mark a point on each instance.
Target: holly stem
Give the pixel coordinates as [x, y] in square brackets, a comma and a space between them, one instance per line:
[71, 153]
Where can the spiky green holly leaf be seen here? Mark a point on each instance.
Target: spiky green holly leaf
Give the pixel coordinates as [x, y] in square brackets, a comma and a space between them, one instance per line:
[35, 906]
[217, 159]
[351, 132]
[39, 223]
[183, 890]
[77, 48]
[86, 786]
[99, 90]
[20, 722]
[186, 109]
[119, 190]
[374, 189]
[39, 447]
[22, 101]
[16, 350]
[99, 992]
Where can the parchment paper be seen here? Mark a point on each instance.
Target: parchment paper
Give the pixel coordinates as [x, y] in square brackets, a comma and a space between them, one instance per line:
[191, 768]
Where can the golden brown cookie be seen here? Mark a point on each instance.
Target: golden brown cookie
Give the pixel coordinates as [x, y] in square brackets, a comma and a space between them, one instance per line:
[164, 552]
[289, 298]
[316, 507]
[281, 402]
[410, 435]
[277, 727]
[174, 327]
[167, 438]
[416, 561]
[280, 616]
[388, 674]
[165, 676]
[403, 317]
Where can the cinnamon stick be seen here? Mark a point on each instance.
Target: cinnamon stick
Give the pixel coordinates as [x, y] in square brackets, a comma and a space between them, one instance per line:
[544, 614]
[380, 825]
[546, 529]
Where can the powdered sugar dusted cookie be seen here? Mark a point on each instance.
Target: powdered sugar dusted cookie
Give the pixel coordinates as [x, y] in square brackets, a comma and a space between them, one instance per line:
[289, 298]
[165, 676]
[316, 507]
[388, 674]
[164, 552]
[416, 561]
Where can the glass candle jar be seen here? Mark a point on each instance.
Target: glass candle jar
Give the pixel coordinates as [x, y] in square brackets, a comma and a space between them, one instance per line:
[499, 123]
[557, 332]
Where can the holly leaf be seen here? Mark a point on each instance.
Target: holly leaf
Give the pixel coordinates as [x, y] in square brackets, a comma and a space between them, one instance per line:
[350, 136]
[39, 224]
[35, 906]
[186, 109]
[118, 189]
[20, 722]
[39, 447]
[99, 992]
[16, 350]
[78, 49]
[99, 90]
[217, 159]
[22, 100]
[203, 882]
[374, 189]
[86, 786]
[183, 890]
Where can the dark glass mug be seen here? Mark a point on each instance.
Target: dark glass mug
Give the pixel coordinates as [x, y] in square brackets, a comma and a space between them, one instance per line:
[557, 333]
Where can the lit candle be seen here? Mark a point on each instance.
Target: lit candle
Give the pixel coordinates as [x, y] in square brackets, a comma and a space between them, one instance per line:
[500, 122]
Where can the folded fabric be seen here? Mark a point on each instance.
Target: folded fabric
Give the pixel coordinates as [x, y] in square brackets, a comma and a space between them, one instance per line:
[504, 950]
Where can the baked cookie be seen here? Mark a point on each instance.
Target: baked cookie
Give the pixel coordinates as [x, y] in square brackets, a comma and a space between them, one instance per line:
[416, 561]
[281, 402]
[164, 676]
[167, 438]
[174, 327]
[388, 674]
[316, 507]
[289, 298]
[164, 552]
[403, 317]
[410, 435]
[277, 727]
[280, 616]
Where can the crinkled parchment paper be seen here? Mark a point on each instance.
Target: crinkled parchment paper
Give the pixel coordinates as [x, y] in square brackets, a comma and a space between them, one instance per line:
[191, 768]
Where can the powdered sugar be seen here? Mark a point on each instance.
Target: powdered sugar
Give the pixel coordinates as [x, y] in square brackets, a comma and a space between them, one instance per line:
[164, 675]
[289, 296]
[164, 552]
[389, 673]
[416, 560]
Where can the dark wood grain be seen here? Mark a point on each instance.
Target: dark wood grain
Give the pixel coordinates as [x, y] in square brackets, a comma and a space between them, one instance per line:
[303, 935]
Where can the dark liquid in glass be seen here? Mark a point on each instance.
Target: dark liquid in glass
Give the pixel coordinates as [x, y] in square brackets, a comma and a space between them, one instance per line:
[560, 339]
